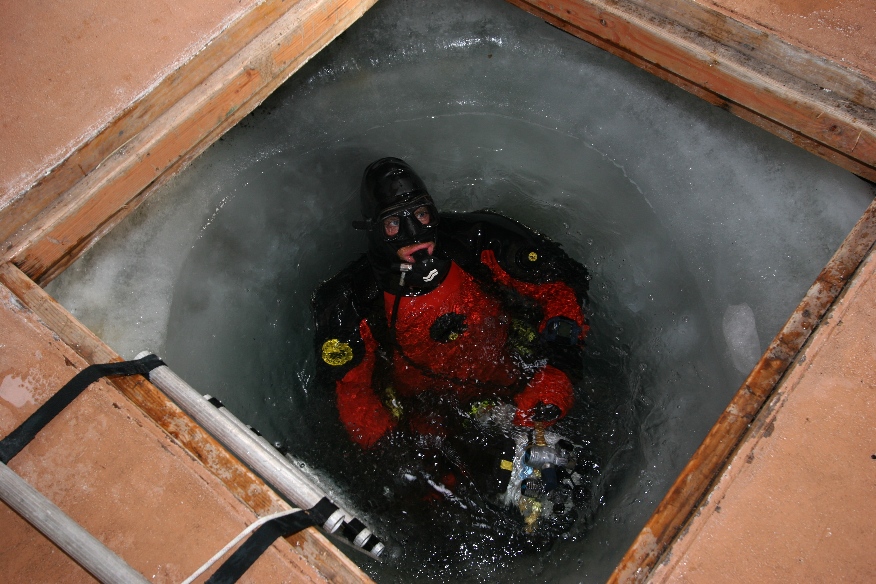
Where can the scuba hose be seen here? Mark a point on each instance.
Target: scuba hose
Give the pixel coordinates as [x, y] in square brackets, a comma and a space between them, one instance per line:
[405, 268]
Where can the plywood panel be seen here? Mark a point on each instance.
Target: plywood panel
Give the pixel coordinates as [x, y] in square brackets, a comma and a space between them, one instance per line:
[750, 72]
[236, 478]
[62, 228]
[714, 454]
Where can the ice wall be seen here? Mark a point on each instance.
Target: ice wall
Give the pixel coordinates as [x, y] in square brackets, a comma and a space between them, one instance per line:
[701, 232]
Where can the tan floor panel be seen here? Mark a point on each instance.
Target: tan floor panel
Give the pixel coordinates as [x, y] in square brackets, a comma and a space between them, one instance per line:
[796, 504]
[68, 69]
[110, 468]
[800, 510]
[842, 30]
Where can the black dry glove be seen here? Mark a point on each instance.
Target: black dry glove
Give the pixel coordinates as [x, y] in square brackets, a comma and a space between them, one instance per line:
[561, 330]
[543, 412]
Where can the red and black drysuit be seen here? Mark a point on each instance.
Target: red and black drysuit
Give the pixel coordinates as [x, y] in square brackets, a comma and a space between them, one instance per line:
[506, 323]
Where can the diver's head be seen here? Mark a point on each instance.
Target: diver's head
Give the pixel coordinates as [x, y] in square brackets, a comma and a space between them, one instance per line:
[400, 216]
[397, 208]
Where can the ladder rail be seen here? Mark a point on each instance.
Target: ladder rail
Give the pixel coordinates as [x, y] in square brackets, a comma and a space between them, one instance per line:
[72, 538]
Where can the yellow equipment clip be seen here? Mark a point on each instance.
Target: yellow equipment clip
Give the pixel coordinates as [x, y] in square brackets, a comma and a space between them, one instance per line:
[336, 353]
[392, 403]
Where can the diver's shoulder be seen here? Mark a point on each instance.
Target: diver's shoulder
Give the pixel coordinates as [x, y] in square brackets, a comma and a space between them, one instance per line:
[486, 227]
[339, 305]
[352, 287]
[524, 253]
[460, 222]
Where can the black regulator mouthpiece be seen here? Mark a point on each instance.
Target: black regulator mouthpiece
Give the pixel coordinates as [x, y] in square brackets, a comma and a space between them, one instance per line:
[399, 212]
[426, 272]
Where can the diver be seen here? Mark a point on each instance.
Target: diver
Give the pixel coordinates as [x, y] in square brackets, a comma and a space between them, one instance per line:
[447, 315]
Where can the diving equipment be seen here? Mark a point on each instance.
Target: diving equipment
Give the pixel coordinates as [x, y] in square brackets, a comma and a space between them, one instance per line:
[427, 271]
[399, 212]
[543, 468]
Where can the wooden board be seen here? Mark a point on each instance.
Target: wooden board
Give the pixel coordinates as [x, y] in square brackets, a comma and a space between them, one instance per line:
[47, 229]
[248, 488]
[745, 410]
[750, 72]
[139, 115]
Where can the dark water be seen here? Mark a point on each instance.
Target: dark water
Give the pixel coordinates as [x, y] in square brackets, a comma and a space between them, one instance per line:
[224, 294]
[701, 235]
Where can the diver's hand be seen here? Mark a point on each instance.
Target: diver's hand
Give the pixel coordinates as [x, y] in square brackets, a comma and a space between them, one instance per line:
[549, 395]
[561, 330]
[545, 413]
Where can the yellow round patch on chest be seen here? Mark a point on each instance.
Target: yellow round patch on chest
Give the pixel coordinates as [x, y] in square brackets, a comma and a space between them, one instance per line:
[336, 353]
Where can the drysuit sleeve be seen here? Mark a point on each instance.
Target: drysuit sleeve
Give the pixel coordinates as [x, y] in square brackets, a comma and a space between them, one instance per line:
[558, 301]
[556, 298]
[361, 411]
[549, 385]
[346, 352]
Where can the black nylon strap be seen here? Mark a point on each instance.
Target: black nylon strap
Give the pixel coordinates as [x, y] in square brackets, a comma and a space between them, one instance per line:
[322, 511]
[256, 544]
[370, 543]
[21, 436]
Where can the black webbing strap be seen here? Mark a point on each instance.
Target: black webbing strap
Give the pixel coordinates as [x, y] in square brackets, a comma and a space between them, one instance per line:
[354, 528]
[321, 512]
[21, 436]
[256, 544]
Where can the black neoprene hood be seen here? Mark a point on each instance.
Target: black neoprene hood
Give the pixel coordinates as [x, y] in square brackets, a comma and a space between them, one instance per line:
[390, 187]
[390, 183]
